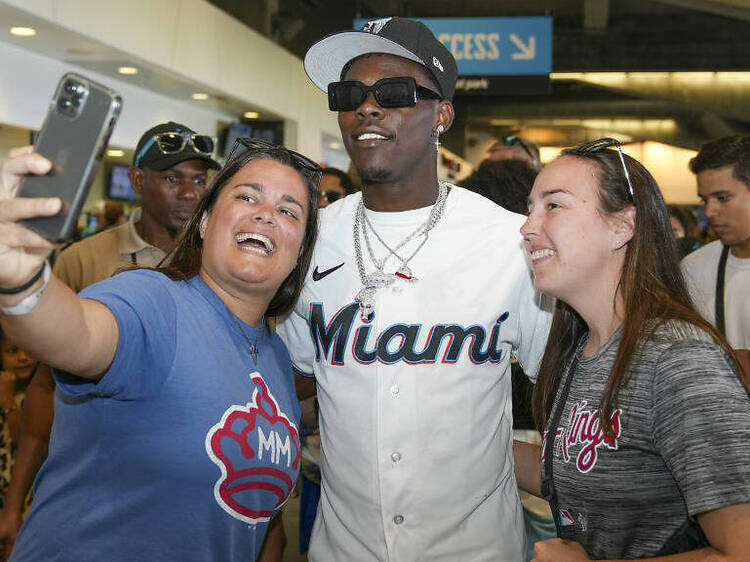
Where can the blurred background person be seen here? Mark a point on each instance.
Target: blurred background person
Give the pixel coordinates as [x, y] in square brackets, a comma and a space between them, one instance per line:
[505, 182]
[718, 274]
[335, 184]
[16, 369]
[683, 225]
[512, 147]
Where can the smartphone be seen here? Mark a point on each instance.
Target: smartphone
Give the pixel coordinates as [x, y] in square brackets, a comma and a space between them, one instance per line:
[74, 136]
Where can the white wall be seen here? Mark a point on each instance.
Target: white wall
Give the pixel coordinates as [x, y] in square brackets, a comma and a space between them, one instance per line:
[28, 80]
[191, 39]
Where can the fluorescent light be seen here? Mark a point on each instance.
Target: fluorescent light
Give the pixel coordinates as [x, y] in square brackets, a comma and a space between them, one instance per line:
[127, 70]
[115, 153]
[335, 145]
[566, 75]
[251, 115]
[200, 96]
[22, 31]
[648, 75]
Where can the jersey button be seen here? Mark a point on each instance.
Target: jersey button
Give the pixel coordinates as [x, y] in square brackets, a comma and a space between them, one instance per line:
[397, 290]
[398, 519]
[395, 457]
[395, 390]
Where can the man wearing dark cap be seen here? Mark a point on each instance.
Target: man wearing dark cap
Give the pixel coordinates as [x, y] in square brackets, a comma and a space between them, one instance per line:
[169, 173]
[418, 293]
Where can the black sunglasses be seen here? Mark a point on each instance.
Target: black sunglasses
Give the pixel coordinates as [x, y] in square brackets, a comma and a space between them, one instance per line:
[331, 196]
[607, 142]
[389, 92]
[303, 162]
[512, 140]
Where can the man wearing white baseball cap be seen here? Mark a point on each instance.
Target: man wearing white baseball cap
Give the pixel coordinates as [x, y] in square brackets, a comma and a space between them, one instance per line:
[418, 294]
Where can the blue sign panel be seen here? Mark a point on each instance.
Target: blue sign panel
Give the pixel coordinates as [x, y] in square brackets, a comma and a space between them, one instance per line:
[487, 46]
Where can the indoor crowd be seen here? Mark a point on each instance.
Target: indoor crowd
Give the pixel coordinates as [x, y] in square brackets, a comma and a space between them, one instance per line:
[545, 362]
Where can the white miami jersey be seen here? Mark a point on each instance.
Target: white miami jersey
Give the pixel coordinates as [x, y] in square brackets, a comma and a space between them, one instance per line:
[415, 401]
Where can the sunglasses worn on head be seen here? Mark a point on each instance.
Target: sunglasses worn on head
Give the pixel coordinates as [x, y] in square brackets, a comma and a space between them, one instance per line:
[174, 142]
[389, 92]
[601, 144]
[310, 167]
[512, 140]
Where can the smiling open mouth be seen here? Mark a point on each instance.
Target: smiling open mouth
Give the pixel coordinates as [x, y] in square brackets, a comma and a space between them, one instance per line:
[539, 254]
[256, 241]
[370, 136]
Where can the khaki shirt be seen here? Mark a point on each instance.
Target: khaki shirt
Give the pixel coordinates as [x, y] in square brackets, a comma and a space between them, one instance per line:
[103, 254]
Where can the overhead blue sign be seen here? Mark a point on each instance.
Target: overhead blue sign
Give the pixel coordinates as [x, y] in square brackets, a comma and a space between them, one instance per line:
[487, 46]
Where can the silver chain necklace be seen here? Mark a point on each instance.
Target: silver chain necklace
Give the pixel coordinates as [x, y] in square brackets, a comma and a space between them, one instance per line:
[252, 345]
[378, 279]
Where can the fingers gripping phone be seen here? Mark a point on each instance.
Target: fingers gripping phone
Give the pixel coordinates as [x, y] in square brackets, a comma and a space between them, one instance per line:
[74, 136]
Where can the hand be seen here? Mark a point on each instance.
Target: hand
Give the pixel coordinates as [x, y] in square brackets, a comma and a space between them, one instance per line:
[10, 523]
[559, 550]
[22, 251]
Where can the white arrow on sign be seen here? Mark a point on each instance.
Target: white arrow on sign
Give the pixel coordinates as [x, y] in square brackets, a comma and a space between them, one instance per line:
[528, 51]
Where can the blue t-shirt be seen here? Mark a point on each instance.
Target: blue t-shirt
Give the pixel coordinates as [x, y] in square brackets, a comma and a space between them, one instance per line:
[183, 450]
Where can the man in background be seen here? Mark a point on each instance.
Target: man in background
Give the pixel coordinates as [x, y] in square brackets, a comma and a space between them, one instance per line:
[718, 274]
[169, 173]
[335, 184]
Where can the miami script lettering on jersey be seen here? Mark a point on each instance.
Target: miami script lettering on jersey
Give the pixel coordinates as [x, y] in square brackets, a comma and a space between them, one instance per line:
[399, 342]
[585, 428]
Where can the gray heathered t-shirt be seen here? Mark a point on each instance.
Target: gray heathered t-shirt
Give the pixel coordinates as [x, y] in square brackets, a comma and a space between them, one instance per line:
[683, 445]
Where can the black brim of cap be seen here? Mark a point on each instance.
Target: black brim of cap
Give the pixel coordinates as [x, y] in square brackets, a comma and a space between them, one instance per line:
[167, 161]
[326, 58]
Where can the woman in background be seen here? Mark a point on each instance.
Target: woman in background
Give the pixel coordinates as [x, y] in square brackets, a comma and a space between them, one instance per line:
[646, 420]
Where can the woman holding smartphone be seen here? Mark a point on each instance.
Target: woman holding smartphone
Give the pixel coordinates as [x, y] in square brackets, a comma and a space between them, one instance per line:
[646, 421]
[176, 420]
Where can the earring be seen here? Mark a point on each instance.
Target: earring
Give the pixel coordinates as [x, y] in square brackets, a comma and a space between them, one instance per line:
[436, 135]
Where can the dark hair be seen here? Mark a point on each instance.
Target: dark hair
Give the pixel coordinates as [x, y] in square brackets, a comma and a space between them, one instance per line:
[651, 285]
[185, 260]
[346, 181]
[726, 151]
[505, 182]
[425, 72]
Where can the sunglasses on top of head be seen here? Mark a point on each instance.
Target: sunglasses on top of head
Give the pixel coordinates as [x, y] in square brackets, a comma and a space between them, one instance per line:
[604, 143]
[305, 164]
[175, 142]
[389, 92]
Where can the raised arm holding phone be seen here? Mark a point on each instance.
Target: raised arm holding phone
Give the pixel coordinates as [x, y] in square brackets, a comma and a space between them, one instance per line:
[170, 385]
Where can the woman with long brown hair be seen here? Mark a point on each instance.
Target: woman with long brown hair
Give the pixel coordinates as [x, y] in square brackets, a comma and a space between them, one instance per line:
[175, 433]
[645, 418]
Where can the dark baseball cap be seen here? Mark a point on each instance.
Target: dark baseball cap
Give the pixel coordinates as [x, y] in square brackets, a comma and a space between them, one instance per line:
[149, 155]
[403, 37]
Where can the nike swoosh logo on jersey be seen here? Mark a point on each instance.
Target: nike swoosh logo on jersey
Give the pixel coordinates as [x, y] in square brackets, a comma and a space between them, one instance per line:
[318, 275]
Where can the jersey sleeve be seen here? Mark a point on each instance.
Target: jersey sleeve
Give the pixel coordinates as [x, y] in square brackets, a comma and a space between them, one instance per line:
[145, 312]
[294, 331]
[535, 319]
[701, 425]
